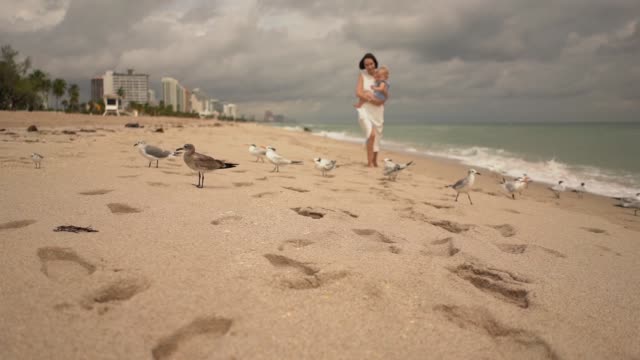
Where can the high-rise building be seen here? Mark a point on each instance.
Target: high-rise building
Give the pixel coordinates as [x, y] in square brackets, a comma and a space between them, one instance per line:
[230, 110]
[170, 92]
[152, 97]
[135, 86]
[201, 103]
[174, 94]
[97, 88]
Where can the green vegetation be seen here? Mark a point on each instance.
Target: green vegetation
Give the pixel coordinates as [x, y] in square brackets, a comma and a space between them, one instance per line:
[22, 88]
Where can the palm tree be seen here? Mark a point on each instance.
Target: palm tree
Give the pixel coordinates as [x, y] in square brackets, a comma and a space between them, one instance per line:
[74, 96]
[121, 95]
[40, 84]
[59, 87]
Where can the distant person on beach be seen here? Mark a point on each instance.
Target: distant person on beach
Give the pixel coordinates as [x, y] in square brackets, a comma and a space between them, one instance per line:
[381, 87]
[371, 113]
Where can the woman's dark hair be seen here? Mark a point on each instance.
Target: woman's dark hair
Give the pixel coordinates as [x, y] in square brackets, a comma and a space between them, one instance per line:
[368, 56]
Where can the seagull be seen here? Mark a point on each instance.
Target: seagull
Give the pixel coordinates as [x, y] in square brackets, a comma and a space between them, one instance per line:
[37, 159]
[258, 151]
[516, 186]
[464, 185]
[152, 153]
[324, 165]
[634, 204]
[278, 160]
[392, 169]
[580, 190]
[558, 188]
[202, 163]
[629, 199]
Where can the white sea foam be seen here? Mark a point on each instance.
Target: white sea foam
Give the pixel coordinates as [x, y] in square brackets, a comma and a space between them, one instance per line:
[598, 181]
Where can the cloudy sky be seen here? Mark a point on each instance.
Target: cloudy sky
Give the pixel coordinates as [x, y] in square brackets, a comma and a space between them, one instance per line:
[456, 60]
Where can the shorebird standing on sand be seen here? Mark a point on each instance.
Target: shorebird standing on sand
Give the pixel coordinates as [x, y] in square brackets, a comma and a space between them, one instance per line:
[258, 151]
[277, 160]
[580, 190]
[324, 165]
[37, 159]
[516, 185]
[392, 169]
[153, 153]
[558, 188]
[629, 198]
[635, 205]
[464, 185]
[630, 202]
[202, 163]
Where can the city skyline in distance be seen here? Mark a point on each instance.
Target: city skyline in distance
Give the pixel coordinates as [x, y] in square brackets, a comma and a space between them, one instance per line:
[458, 61]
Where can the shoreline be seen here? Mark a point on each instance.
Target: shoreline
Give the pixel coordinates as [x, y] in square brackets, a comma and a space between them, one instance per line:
[600, 180]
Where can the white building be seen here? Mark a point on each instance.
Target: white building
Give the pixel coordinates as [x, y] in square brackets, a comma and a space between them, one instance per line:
[175, 95]
[230, 110]
[135, 86]
[201, 103]
[152, 97]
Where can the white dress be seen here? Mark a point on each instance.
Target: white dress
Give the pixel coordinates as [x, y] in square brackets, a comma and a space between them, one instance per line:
[371, 117]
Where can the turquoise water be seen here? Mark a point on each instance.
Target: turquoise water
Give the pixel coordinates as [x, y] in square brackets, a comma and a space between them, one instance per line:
[604, 155]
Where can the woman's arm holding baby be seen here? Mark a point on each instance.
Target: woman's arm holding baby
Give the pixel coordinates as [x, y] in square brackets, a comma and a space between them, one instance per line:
[361, 93]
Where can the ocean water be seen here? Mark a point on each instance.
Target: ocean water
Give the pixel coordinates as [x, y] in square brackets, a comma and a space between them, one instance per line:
[604, 156]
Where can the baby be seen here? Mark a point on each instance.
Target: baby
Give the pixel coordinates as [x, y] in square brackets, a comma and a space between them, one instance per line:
[380, 87]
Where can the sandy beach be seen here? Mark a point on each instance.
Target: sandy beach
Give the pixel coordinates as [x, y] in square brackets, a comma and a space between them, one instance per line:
[293, 265]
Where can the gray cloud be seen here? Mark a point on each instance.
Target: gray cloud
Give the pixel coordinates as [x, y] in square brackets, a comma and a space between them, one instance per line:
[463, 59]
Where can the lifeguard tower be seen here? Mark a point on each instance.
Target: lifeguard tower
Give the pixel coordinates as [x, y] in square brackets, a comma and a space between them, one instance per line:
[111, 104]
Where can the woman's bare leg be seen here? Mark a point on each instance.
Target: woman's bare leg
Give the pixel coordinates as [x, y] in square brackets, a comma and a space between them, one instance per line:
[370, 154]
[375, 159]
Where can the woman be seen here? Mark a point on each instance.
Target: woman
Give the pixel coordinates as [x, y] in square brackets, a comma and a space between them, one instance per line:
[370, 114]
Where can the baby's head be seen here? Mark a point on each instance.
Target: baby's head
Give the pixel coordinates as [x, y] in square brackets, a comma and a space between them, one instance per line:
[382, 73]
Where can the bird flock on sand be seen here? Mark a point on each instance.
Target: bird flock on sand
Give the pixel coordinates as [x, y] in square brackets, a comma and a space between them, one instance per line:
[202, 164]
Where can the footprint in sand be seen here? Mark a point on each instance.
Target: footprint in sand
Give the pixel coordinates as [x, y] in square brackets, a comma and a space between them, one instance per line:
[450, 226]
[239, 171]
[16, 224]
[379, 237]
[437, 206]
[171, 172]
[63, 264]
[262, 178]
[512, 248]
[226, 219]
[314, 213]
[114, 292]
[442, 247]
[295, 189]
[373, 235]
[157, 183]
[96, 192]
[295, 243]
[505, 230]
[518, 343]
[297, 275]
[242, 184]
[210, 327]
[596, 230]
[551, 251]
[512, 211]
[608, 250]
[501, 284]
[263, 194]
[128, 176]
[118, 208]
